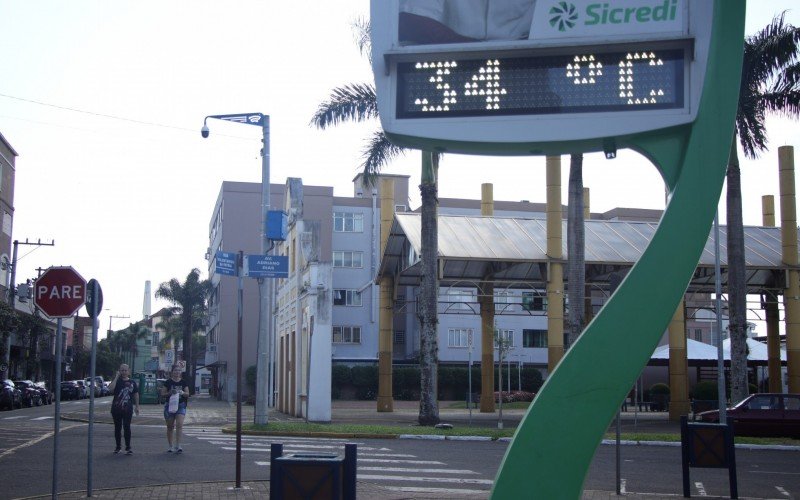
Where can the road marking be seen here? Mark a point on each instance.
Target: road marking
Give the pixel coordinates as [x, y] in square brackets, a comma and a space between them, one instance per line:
[42, 418]
[291, 446]
[426, 471]
[701, 490]
[34, 441]
[13, 418]
[774, 472]
[783, 492]
[425, 479]
[387, 461]
[443, 491]
[622, 485]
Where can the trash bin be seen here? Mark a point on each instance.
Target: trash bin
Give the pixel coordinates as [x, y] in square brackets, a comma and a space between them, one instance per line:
[312, 475]
[148, 392]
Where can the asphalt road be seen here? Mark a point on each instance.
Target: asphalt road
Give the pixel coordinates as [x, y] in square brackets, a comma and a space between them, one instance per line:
[460, 468]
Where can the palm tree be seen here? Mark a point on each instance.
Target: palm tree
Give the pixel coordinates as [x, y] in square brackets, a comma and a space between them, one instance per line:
[131, 337]
[189, 300]
[576, 250]
[358, 102]
[770, 83]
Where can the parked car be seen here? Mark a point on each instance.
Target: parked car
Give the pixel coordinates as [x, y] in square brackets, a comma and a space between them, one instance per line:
[159, 384]
[10, 396]
[767, 414]
[96, 386]
[30, 393]
[70, 390]
[84, 389]
[47, 396]
[106, 391]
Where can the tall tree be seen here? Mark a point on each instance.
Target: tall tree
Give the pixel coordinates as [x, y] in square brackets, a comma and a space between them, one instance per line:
[189, 300]
[770, 84]
[131, 337]
[576, 250]
[358, 102]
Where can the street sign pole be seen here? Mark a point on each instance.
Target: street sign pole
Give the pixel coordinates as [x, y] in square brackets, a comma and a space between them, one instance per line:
[95, 298]
[239, 294]
[263, 368]
[57, 418]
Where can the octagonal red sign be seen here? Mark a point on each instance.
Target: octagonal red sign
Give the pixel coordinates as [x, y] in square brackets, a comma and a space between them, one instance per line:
[60, 292]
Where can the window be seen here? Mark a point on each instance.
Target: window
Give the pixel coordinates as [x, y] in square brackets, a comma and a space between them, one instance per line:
[698, 334]
[348, 222]
[791, 403]
[459, 337]
[348, 259]
[532, 301]
[400, 337]
[534, 338]
[459, 300]
[507, 336]
[342, 297]
[503, 301]
[346, 334]
[155, 338]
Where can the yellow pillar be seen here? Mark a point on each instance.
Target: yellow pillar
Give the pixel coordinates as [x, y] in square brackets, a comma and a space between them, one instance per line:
[486, 303]
[770, 304]
[385, 316]
[791, 297]
[678, 365]
[555, 272]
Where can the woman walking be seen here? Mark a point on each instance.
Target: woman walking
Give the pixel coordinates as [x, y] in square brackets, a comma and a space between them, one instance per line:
[177, 391]
[125, 403]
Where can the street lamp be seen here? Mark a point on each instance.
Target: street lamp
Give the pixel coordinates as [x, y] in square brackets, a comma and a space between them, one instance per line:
[264, 374]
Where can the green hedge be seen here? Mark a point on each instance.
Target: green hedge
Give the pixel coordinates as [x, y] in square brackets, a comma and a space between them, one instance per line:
[362, 381]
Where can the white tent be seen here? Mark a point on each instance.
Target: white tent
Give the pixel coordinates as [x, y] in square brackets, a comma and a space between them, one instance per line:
[700, 351]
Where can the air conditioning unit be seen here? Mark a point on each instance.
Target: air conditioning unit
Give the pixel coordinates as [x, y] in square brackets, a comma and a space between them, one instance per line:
[212, 348]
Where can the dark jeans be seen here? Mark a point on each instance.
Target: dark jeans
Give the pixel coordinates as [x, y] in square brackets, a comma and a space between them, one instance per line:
[122, 420]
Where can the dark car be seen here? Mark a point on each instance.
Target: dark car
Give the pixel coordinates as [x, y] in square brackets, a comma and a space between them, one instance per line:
[84, 389]
[70, 390]
[767, 414]
[30, 393]
[10, 396]
[47, 396]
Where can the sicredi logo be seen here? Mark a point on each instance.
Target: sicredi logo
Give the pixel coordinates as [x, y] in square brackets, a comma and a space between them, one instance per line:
[611, 17]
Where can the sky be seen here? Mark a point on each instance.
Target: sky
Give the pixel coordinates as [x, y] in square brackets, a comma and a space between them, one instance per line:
[104, 101]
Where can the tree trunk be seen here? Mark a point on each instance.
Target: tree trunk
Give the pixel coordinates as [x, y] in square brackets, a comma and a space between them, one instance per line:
[429, 349]
[188, 354]
[576, 250]
[737, 288]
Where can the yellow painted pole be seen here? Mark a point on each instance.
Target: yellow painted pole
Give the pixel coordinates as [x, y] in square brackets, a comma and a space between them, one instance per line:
[791, 297]
[385, 316]
[771, 314]
[678, 365]
[486, 302]
[555, 274]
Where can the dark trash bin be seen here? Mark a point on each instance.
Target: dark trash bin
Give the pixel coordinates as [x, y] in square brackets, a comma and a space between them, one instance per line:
[312, 475]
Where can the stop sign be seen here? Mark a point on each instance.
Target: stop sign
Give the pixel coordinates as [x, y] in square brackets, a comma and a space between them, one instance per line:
[59, 292]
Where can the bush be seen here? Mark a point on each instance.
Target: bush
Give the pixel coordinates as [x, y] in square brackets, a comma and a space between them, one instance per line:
[250, 375]
[365, 381]
[659, 388]
[405, 383]
[705, 391]
[340, 377]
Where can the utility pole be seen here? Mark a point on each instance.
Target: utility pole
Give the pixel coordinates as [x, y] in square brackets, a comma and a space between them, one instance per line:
[12, 299]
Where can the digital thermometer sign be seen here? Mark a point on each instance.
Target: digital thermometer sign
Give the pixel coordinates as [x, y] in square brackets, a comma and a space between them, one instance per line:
[638, 78]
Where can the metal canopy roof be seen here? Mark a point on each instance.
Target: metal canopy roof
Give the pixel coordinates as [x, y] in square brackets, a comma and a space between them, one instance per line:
[513, 250]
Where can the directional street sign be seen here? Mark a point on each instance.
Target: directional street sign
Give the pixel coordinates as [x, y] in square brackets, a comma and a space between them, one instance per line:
[225, 263]
[59, 292]
[266, 266]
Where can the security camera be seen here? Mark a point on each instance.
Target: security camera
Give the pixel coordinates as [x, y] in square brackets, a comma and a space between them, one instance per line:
[204, 131]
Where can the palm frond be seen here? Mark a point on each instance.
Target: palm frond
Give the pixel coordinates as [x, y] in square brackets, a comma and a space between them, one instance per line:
[379, 151]
[353, 102]
[361, 30]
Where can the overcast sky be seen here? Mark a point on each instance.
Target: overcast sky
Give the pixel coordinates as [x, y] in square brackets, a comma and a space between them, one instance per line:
[103, 102]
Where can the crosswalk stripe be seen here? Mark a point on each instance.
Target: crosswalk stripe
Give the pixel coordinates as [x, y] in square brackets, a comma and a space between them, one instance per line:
[423, 479]
[387, 461]
[426, 471]
[442, 491]
[42, 418]
[13, 418]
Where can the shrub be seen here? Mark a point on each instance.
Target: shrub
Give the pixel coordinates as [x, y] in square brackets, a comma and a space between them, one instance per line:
[340, 377]
[405, 383]
[705, 391]
[250, 375]
[659, 388]
[365, 380]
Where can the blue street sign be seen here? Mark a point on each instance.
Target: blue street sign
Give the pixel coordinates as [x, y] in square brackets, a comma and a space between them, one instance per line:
[266, 266]
[225, 263]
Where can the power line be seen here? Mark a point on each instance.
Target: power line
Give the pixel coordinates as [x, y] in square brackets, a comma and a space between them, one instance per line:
[112, 117]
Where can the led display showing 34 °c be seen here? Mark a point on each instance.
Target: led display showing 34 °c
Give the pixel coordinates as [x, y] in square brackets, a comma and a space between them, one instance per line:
[576, 83]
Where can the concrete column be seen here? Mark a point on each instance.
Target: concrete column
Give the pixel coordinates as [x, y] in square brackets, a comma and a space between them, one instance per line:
[486, 303]
[555, 272]
[769, 303]
[791, 297]
[385, 316]
[678, 365]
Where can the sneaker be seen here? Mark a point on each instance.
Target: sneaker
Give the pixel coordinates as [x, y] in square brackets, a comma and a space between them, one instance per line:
[128, 451]
[170, 449]
[178, 450]
[116, 451]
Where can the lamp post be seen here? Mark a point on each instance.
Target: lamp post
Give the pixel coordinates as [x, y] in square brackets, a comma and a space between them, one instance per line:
[264, 374]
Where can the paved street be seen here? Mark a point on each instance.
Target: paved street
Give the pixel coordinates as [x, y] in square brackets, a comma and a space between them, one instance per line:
[395, 468]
